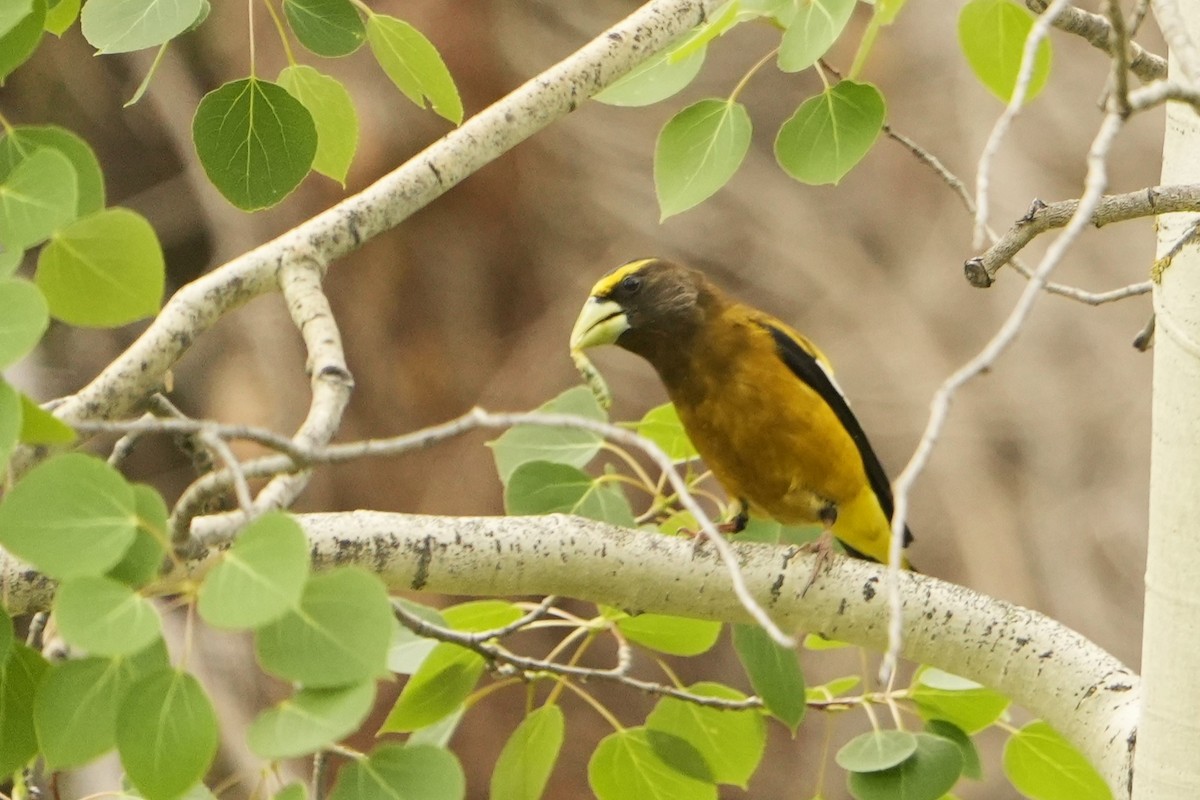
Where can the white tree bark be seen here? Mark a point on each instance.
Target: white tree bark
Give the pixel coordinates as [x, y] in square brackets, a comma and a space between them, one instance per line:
[1042, 665]
[1168, 736]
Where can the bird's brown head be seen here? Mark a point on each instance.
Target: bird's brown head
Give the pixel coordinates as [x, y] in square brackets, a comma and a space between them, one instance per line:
[650, 307]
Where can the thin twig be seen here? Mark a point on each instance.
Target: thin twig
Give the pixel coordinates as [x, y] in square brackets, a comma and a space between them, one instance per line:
[1039, 31]
[1094, 185]
[190, 501]
[530, 667]
[1094, 29]
[1150, 202]
[963, 194]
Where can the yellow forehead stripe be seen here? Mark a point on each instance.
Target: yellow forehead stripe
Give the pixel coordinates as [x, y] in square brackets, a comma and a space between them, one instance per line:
[606, 284]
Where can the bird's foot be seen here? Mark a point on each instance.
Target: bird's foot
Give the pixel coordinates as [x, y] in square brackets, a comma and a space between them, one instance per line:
[822, 546]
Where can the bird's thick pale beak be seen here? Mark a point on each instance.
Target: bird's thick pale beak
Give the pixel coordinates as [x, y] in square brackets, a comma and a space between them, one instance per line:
[600, 322]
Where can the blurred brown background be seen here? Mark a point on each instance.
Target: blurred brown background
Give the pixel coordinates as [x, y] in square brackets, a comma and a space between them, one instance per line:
[1037, 490]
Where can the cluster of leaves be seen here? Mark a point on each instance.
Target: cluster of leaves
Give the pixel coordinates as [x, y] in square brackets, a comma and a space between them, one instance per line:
[256, 138]
[701, 147]
[97, 266]
[543, 472]
[77, 520]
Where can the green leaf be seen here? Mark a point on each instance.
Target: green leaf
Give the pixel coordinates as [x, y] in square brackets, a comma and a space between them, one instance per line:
[19, 677]
[23, 141]
[333, 114]
[166, 733]
[62, 16]
[10, 260]
[830, 133]
[24, 321]
[408, 650]
[103, 270]
[260, 578]
[414, 65]
[662, 426]
[992, 35]
[815, 641]
[731, 742]
[293, 791]
[122, 26]
[476, 616]
[930, 772]
[143, 560]
[972, 767]
[255, 140]
[309, 720]
[42, 427]
[416, 772]
[723, 19]
[18, 44]
[876, 750]
[439, 686]
[7, 637]
[524, 766]
[12, 12]
[71, 515]
[38, 196]
[339, 636]
[940, 695]
[439, 733]
[678, 636]
[75, 710]
[542, 487]
[629, 763]
[812, 31]
[655, 80]
[698, 151]
[525, 443]
[1042, 765]
[104, 617]
[329, 28]
[832, 689]
[774, 673]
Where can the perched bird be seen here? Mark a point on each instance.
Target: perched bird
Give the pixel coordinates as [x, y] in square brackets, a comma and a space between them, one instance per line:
[757, 399]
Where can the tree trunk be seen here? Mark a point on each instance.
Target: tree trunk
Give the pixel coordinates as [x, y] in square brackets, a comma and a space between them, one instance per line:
[1165, 764]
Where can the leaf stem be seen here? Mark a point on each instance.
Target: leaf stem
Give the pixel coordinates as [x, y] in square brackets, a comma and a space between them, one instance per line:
[750, 74]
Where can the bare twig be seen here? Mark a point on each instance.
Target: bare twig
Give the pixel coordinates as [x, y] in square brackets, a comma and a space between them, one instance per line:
[963, 194]
[981, 270]
[983, 173]
[1094, 186]
[222, 526]
[1094, 28]
[531, 667]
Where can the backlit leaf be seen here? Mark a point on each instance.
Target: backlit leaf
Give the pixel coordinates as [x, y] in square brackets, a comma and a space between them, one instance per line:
[104, 270]
[830, 133]
[992, 35]
[414, 65]
[698, 151]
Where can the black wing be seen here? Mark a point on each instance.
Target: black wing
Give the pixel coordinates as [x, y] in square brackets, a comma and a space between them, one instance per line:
[806, 368]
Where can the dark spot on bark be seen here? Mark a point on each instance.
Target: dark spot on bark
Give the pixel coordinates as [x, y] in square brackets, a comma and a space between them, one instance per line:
[776, 587]
[869, 590]
[424, 557]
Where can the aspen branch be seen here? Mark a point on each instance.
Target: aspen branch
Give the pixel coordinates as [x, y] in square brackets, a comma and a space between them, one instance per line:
[1096, 30]
[139, 371]
[1052, 671]
[981, 270]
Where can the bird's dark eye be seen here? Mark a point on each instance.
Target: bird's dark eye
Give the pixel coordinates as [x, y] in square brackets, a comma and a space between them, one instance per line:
[630, 284]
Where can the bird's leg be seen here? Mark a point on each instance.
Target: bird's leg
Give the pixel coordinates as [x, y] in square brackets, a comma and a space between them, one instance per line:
[822, 545]
[737, 523]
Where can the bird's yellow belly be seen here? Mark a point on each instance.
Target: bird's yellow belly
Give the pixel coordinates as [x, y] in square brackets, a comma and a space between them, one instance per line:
[782, 453]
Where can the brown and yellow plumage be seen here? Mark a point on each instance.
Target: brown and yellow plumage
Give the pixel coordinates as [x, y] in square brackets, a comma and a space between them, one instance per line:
[757, 399]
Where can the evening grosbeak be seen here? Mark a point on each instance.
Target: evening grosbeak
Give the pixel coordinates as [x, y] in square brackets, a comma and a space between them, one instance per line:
[757, 399]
